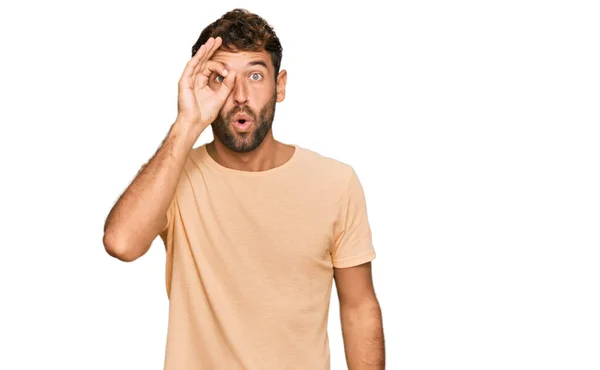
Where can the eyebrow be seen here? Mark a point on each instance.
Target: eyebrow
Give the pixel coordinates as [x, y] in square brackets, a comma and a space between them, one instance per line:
[253, 63]
[257, 63]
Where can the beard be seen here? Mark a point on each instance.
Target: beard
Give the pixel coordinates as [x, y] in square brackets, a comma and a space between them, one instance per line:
[243, 142]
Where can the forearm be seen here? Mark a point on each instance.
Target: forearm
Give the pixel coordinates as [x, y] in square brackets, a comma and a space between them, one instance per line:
[140, 213]
[362, 328]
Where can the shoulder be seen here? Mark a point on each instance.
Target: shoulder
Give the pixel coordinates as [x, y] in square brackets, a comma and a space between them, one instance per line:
[327, 168]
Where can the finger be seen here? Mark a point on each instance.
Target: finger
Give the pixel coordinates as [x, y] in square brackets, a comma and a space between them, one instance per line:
[211, 71]
[208, 43]
[214, 67]
[208, 46]
[210, 50]
[197, 58]
[227, 86]
[217, 41]
[191, 65]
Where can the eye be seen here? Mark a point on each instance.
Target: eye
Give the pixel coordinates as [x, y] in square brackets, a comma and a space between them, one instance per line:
[219, 77]
[257, 75]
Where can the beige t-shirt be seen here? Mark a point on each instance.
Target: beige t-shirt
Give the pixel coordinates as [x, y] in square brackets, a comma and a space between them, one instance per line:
[250, 257]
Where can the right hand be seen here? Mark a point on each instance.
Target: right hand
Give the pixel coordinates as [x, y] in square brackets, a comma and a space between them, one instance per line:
[198, 103]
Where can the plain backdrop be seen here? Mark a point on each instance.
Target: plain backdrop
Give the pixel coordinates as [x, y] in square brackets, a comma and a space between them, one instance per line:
[473, 126]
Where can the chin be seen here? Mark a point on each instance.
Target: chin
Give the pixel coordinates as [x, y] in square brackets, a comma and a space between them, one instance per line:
[241, 142]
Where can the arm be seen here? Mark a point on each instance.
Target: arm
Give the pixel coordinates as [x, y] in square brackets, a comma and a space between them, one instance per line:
[361, 318]
[140, 213]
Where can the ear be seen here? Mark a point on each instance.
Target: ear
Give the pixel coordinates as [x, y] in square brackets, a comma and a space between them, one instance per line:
[281, 82]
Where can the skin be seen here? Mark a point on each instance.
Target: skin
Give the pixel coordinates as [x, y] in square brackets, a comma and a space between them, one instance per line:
[255, 92]
[215, 85]
[361, 318]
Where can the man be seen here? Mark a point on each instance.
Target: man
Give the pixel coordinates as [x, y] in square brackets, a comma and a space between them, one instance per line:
[255, 230]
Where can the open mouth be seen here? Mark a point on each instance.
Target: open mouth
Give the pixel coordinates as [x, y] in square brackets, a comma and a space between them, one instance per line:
[242, 124]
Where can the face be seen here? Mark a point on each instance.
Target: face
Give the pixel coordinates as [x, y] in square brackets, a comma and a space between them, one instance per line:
[255, 93]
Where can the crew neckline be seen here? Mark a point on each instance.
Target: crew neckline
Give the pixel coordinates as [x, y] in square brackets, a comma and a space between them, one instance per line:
[214, 164]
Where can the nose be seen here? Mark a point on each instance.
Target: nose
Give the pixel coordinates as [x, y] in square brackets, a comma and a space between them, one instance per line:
[240, 92]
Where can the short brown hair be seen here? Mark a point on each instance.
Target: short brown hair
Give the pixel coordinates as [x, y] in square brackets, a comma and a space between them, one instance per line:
[242, 30]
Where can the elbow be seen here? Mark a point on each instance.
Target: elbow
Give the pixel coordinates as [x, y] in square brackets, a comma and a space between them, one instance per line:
[365, 309]
[120, 250]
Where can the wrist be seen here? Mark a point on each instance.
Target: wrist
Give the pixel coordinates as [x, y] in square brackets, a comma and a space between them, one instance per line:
[186, 130]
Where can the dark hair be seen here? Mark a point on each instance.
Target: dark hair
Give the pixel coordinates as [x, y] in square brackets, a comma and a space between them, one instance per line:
[243, 31]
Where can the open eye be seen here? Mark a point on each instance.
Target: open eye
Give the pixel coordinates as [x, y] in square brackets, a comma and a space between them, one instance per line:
[219, 77]
[257, 75]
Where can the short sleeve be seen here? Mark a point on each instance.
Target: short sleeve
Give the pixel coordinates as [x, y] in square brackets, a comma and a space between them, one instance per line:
[353, 242]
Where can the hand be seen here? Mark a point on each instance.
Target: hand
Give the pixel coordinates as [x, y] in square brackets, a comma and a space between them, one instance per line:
[198, 103]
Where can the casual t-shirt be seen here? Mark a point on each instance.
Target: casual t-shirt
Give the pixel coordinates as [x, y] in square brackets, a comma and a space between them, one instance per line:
[250, 258]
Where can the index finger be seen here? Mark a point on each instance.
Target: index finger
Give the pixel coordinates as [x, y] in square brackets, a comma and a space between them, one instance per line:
[193, 62]
[209, 53]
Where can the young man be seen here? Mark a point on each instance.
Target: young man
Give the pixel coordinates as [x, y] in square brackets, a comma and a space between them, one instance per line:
[255, 230]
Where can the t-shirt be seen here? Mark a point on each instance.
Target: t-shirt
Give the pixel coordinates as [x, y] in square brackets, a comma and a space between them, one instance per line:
[250, 258]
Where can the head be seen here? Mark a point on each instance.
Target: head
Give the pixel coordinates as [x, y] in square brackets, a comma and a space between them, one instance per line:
[251, 48]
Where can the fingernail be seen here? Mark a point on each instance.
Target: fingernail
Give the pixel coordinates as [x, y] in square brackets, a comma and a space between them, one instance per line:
[225, 72]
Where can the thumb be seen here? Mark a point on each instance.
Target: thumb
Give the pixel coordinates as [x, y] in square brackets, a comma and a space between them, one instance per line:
[227, 85]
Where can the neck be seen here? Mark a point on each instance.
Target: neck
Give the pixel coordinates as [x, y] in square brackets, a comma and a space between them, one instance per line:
[269, 154]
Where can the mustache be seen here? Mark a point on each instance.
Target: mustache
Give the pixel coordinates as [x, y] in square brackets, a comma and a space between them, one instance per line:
[245, 110]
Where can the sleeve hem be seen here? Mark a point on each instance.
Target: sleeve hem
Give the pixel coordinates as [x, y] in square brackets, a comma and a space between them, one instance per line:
[355, 261]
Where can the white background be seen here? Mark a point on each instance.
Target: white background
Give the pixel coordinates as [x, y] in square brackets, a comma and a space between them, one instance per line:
[473, 126]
